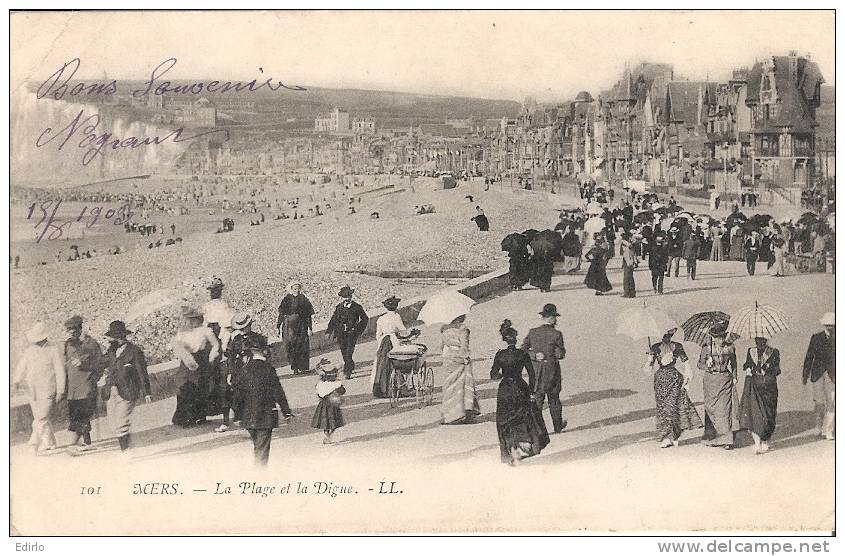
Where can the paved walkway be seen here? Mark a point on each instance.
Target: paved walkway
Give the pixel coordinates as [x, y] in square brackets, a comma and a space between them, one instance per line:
[605, 472]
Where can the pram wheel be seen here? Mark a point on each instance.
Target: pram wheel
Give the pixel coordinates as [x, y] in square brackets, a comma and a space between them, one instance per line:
[394, 387]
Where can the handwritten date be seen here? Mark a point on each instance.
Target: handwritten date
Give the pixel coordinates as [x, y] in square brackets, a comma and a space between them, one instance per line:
[53, 228]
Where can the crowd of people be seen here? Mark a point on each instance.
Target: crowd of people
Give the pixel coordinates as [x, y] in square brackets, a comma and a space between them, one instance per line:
[226, 370]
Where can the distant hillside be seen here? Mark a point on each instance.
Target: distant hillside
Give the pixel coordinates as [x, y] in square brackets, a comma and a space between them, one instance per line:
[389, 109]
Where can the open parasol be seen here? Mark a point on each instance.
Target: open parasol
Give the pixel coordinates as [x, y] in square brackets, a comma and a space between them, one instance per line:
[697, 327]
[758, 321]
[530, 234]
[644, 322]
[445, 307]
[544, 247]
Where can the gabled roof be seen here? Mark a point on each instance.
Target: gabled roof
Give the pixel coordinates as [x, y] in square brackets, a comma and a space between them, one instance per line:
[794, 93]
[682, 100]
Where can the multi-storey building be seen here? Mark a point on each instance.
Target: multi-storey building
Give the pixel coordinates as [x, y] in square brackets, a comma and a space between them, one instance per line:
[783, 95]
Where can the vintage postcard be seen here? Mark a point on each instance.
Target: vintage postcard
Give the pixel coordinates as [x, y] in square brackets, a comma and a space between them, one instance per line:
[422, 272]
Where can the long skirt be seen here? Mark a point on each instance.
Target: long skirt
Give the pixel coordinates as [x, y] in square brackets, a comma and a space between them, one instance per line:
[518, 271]
[327, 417]
[459, 397]
[675, 412]
[716, 251]
[119, 412]
[542, 271]
[629, 287]
[778, 268]
[519, 421]
[596, 278]
[721, 409]
[80, 413]
[297, 344]
[736, 250]
[759, 407]
[381, 368]
[192, 399]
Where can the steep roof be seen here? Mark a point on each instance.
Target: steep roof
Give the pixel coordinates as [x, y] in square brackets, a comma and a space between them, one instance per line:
[683, 100]
[795, 93]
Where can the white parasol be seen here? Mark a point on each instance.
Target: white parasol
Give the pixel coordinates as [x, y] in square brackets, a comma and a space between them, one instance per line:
[445, 307]
[152, 302]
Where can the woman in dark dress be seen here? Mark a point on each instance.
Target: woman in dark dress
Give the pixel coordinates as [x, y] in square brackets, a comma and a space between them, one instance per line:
[519, 269]
[596, 278]
[519, 422]
[759, 406]
[196, 348]
[295, 327]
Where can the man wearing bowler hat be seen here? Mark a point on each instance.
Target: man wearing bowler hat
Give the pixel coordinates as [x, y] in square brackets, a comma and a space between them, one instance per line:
[126, 380]
[258, 395]
[347, 324]
[84, 364]
[544, 345]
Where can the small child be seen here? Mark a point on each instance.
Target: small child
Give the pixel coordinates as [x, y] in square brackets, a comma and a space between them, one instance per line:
[328, 416]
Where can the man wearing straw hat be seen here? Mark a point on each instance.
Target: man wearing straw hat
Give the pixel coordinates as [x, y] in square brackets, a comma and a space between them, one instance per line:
[84, 364]
[820, 371]
[41, 369]
[126, 380]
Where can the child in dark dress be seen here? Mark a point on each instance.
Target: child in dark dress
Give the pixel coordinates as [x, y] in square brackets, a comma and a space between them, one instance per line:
[328, 416]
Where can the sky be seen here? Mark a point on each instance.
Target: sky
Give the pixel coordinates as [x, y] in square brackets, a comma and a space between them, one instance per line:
[503, 55]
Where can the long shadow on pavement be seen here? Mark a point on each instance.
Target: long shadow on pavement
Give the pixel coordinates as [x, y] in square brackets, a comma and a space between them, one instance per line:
[593, 450]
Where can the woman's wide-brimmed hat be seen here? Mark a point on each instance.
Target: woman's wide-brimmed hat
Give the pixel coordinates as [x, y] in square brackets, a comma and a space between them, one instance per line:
[391, 301]
[241, 320]
[828, 319]
[719, 330]
[345, 291]
[37, 333]
[73, 322]
[117, 329]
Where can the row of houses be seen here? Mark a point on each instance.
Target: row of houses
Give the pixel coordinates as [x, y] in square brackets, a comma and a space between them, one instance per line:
[756, 129]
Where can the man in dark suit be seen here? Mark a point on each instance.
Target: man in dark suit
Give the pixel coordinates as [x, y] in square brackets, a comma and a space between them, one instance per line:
[752, 251]
[675, 249]
[658, 261]
[257, 394]
[690, 253]
[820, 371]
[544, 346]
[347, 324]
[84, 365]
[125, 381]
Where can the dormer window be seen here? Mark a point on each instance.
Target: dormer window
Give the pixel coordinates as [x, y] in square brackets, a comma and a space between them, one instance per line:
[768, 94]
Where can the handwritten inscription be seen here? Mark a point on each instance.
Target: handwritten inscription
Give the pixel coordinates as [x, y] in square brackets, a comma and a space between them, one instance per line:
[59, 87]
[97, 144]
[54, 228]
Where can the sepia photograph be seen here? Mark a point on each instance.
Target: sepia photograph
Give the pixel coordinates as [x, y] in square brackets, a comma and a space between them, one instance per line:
[422, 272]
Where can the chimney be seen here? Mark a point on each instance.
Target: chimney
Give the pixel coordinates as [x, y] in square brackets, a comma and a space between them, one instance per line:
[793, 64]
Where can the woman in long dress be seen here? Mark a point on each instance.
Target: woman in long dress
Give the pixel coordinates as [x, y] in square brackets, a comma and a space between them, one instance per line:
[779, 252]
[721, 403]
[716, 253]
[571, 251]
[675, 412]
[737, 243]
[629, 263]
[460, 401]
[759, 406]
[519, 421]
[596, 278]
[295, 327]
[519, 268]
[197, 348]
[389, 327]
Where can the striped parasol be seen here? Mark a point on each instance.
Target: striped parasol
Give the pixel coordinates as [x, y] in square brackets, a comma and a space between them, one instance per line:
[697, 327]
[758, 321]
